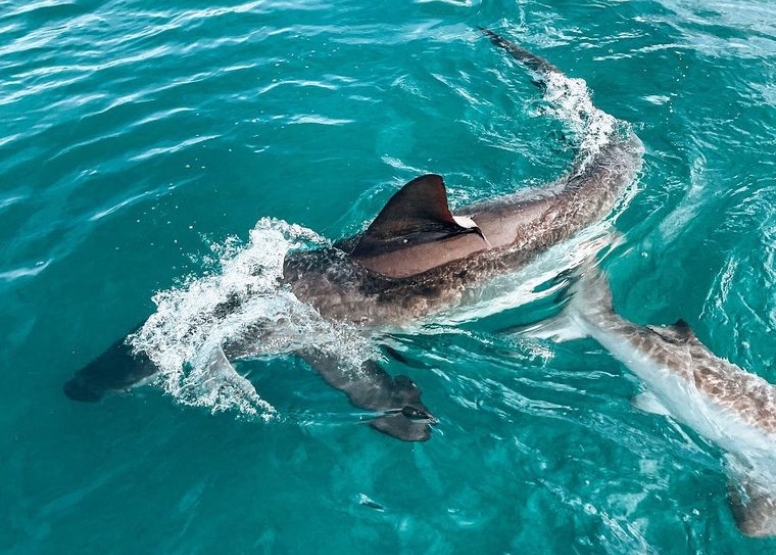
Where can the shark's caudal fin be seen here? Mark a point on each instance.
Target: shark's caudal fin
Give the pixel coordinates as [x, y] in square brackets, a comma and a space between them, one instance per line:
[533, 62]
[417, 213]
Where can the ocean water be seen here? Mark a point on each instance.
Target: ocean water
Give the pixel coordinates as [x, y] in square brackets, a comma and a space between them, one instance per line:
[149, 152]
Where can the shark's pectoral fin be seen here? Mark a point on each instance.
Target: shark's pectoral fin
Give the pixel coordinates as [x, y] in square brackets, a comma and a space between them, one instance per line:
[398, 425]
[753, 506]
[408, 418]
[403, 414]
[216, 363]
[648, 402]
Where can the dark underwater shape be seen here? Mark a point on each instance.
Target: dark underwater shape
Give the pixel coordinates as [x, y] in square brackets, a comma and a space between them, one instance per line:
[417, 258]
[115, 369]
[404, 415]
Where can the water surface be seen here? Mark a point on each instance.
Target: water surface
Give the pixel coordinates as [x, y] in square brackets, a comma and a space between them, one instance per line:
[142, 143]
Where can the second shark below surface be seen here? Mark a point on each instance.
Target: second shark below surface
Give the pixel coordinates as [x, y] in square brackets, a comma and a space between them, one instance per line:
[730, 407]
[417, 259]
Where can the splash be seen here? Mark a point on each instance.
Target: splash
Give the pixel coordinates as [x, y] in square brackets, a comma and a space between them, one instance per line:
[571, 102]
[242, 307]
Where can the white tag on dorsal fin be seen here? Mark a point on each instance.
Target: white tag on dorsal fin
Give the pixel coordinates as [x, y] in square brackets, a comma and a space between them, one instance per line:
[468, 223]
[465, 221]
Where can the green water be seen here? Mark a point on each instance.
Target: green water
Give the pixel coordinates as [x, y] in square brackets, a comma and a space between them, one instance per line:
[138, 138]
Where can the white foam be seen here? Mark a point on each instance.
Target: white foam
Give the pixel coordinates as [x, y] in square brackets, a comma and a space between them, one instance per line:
[242, 297]
[571, 102]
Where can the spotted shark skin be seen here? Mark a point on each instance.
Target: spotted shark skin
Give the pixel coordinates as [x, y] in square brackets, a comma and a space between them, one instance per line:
[721, 401]
[415, 260]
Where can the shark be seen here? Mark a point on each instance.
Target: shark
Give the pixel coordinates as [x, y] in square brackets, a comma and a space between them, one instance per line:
[730, 407]
[417, 257]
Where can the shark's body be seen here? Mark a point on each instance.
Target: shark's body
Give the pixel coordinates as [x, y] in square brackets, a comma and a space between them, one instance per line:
[730, 407]
[417, 258]
[414, 259]
[398, 286]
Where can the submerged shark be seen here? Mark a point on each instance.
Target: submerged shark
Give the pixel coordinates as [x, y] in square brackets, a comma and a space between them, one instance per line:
[417, 258]
[729, 406]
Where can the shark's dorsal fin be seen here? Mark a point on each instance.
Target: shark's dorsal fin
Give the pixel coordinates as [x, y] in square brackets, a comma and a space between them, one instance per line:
[678, 333]
[682, 330]
[417, 213]
[681, 324]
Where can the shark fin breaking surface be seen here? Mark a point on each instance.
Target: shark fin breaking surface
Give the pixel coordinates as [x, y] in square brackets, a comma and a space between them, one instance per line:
[417, 213]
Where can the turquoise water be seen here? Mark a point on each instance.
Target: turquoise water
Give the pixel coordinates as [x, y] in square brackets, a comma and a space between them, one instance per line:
[141, 144]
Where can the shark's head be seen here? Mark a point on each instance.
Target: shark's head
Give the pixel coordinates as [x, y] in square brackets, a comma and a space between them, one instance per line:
[411, 420]
[116, 369]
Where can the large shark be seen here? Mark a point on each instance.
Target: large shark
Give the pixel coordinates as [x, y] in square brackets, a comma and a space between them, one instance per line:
[417, 258]
[727, 405]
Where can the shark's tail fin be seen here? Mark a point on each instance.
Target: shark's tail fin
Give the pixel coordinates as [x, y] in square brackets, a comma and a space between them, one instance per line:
[533, 62]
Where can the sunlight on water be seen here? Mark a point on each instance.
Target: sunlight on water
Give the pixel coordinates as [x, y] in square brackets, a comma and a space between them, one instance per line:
[137, 136]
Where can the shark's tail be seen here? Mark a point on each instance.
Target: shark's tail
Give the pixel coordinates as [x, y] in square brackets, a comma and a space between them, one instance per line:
[533, 62]
[603, 145]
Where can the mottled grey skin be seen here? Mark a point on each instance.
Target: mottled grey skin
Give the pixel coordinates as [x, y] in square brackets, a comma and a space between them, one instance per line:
[518, 230]
[731, 407]
[384, 280]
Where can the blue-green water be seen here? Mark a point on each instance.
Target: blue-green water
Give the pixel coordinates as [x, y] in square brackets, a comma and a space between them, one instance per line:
[138, 138]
